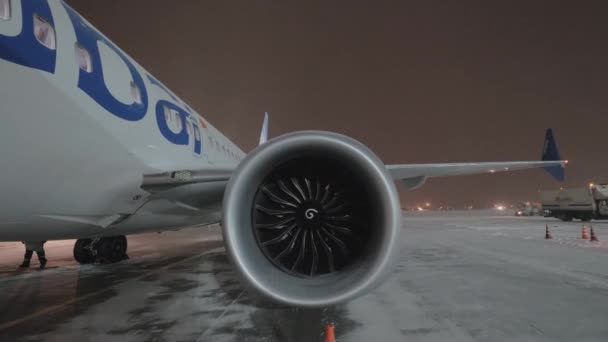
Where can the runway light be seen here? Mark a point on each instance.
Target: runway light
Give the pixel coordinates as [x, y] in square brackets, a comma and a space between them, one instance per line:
[499, 207]
[419, 209]
[427, 204]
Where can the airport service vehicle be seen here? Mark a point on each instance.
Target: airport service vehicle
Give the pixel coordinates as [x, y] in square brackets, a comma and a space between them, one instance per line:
[585, 203]
[527, 209]
[94, 148]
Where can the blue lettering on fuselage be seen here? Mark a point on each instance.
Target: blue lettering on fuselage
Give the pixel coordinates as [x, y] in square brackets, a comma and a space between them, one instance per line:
[178, 138]
[24, 49]
[93, 83]
[158, 83]
[182, 137]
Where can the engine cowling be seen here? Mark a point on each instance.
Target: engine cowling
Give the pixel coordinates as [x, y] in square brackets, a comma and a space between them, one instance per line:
[311, 219]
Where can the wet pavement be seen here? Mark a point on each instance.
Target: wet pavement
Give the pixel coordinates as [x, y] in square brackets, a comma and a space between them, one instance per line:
[461, 276]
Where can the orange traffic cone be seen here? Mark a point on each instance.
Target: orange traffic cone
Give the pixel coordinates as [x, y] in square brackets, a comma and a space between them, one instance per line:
[584, 234]
[547, 232]
[329, 333]
[593, 237]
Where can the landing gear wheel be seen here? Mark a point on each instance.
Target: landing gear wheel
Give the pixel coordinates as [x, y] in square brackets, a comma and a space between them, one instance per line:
[112, 249]
[82, 251]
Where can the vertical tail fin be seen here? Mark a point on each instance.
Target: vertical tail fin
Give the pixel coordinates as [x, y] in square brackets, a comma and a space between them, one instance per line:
[551, 153]
[264, 132]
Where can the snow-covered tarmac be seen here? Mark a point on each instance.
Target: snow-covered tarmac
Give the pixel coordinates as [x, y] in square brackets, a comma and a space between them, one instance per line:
[460, 276]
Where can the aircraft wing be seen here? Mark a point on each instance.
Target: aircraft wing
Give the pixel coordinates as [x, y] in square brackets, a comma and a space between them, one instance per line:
[414, 175]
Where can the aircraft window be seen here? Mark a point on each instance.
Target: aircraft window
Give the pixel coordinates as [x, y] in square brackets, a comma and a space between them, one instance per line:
[167, 113]
[197, 134]
[178, 121]
[5, 9]
[44, 32]
[83, 58]
[189, 127]
[217, 145]
[135, 93]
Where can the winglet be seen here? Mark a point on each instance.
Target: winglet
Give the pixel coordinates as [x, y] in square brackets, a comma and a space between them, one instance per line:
[551, 153]
[264, 133]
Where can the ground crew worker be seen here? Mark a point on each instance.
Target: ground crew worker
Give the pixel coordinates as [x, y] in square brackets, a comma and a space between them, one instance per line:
[30, 248]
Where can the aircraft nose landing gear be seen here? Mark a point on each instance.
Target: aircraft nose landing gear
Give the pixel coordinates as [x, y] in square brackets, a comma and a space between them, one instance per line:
[105, 250]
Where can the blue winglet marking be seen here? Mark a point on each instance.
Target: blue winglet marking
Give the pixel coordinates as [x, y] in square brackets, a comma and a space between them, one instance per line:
[551, 153]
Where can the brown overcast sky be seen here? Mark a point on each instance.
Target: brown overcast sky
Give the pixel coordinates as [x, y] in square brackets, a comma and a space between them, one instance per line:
[417, 81]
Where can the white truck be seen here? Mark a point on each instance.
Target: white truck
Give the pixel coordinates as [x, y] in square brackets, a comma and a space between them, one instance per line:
[576, 203]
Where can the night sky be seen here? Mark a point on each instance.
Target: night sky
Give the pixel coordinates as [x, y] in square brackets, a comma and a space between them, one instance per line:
[418, 82]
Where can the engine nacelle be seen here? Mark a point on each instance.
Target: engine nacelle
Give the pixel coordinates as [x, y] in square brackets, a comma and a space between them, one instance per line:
[311, 219]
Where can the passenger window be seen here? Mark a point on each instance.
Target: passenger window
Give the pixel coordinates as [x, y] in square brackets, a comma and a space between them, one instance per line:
[83, 58]
[135, 93]
[197, 134]
[178, 121]
[5, 9]
[167, 114]
[189, 127]
[44, 32]
[173, 116]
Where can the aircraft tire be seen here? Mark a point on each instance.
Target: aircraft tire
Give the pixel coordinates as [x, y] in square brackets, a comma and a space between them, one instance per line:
[112, 249]
[81, 254]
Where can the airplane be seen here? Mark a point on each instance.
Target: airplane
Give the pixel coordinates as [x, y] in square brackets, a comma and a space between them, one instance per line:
[95, 148]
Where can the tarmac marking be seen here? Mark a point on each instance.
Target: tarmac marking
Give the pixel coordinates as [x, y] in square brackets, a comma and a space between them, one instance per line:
[69, 302]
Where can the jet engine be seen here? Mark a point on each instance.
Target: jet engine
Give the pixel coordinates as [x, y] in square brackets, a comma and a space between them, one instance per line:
[311, 219]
